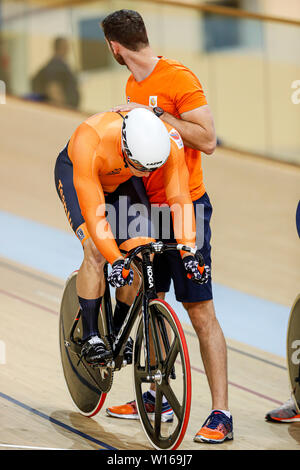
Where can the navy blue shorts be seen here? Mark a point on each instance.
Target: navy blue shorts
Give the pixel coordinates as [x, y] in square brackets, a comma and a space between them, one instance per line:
[169, 266]
[298, 219]
[124, 221]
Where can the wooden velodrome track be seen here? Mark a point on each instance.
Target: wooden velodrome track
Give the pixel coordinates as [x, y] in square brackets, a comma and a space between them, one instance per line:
[253, 234]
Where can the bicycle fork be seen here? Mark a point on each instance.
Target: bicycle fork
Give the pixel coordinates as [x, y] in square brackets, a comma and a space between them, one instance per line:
[149, 292]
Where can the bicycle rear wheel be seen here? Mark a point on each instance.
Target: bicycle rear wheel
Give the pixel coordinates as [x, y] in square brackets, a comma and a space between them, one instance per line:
[85, 384]
[171, 373]
[293, 343]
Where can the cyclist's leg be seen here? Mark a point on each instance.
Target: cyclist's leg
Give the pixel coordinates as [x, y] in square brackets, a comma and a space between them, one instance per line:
[162, 274]
[90, 285]
[130, 230]
[135, 193]
[90, 280]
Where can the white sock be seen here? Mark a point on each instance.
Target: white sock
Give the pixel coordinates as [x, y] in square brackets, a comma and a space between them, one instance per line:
[226, 412]
[153, 393]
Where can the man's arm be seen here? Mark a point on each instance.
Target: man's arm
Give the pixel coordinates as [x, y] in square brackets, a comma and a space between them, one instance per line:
[196, 127]
[176, 182]
[90, 193]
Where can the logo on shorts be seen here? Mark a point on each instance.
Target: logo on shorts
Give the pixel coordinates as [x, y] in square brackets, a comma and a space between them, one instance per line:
[80, 234]
[175, 136]
[153, 101]
[128, 99]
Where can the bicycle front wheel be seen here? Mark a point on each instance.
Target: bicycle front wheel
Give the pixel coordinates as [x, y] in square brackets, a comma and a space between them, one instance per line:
[164, 424]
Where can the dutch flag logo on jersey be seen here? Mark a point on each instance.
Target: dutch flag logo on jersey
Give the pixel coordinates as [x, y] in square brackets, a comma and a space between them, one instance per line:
[175, 136]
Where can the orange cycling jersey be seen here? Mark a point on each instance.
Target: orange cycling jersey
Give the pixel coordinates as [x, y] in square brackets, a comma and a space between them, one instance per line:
[99, 168]
[173, 87]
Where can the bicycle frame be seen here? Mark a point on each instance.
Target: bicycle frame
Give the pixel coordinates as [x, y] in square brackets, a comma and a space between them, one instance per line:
[145, 293]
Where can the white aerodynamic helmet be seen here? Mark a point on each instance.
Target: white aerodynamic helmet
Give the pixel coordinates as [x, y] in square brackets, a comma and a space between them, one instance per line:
[145, 140]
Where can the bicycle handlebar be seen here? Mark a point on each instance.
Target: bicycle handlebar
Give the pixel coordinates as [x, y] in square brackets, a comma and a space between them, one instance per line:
[160, 247]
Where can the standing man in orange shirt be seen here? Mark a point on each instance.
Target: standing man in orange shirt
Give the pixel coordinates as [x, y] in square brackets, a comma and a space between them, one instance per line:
[174, 93]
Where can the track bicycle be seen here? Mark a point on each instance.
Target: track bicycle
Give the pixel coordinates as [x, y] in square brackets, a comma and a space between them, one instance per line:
[160, 353]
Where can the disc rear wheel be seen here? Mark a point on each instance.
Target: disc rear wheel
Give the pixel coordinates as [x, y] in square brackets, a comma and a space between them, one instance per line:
[87, 385]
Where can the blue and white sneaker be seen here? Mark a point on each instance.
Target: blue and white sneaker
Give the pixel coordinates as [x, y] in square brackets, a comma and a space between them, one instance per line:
[129, 410]
[216, 429]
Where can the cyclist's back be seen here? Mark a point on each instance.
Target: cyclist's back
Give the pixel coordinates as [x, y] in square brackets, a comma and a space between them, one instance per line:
[95, 149]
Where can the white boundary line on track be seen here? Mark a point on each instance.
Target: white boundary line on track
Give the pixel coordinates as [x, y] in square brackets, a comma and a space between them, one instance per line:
[30, 447]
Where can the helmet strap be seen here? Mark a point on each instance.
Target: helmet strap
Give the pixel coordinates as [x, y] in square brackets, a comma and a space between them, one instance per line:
[123, 152]
[124, 155]
[118, 112]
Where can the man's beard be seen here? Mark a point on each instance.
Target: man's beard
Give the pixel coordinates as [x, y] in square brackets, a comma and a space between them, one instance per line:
[119, 59]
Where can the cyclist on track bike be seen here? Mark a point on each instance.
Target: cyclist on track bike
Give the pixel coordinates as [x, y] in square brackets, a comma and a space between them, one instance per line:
[103, 163]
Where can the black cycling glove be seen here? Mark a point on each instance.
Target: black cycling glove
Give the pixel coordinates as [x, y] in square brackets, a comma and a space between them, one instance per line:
[195, 272]
[119, 276]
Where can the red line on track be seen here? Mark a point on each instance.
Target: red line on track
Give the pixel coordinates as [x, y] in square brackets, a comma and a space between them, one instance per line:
[25, 301]
[196, 369]
[241, 387]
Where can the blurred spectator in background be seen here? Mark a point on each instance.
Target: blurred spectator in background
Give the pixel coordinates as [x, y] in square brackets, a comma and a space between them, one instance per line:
[55, 82]
[4, 66]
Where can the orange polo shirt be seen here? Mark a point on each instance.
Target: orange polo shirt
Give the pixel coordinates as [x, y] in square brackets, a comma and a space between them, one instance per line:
[173, 87]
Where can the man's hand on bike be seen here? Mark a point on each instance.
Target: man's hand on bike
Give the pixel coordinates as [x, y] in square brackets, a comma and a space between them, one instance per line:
[195, 272]
[120, 276]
